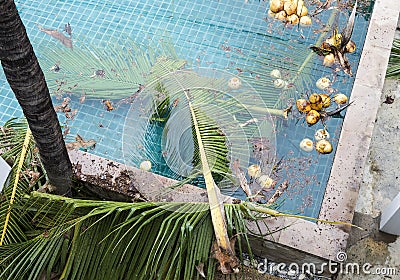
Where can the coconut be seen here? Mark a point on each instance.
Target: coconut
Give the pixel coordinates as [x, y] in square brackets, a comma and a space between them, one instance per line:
[276, 74]
[340, 98]
[323, 83]
[276, 5]
[321, 134]
[350, 47]
[279, 83]
[145, 165]
[293, 19]
[326, 100]
[329, 59]
[271, 14]
[290, 7]
[315, 98]
[281, 15]
[317, 106]
[305, 20]
[265, 181]
[301, 9]
[324, 147]
[254, 171]
[306, 145]
[312, 117]
[303, 105]
[234, 83]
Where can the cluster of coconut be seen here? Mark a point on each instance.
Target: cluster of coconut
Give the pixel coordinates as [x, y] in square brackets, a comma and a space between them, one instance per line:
[312, 107]
[255, 172]
[315, 103]
[329, 57]
[292, 11]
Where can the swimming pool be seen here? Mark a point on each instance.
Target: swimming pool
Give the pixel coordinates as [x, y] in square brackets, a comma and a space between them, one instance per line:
[234, 37]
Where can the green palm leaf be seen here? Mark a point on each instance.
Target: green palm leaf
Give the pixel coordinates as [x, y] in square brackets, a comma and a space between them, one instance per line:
[16, 144]
[112, 71]
[102, 240]
[394, 60]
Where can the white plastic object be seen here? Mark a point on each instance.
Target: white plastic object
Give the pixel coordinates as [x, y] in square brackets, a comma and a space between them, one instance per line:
[390, 218]
[4, 171]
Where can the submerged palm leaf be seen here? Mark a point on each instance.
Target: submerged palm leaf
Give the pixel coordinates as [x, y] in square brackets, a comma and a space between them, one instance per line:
[159, 127]
[202, 119]
[113, 71]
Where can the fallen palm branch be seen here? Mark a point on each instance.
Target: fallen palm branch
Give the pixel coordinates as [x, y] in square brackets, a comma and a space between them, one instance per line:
[18, 168]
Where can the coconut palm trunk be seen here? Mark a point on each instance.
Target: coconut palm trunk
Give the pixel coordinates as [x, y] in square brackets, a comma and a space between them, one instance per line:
[27, 81]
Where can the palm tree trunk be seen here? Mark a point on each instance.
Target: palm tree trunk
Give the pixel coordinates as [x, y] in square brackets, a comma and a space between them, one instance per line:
[27, 80]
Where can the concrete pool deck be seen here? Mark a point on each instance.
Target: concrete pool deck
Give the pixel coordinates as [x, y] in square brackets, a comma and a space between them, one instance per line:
[362, 176]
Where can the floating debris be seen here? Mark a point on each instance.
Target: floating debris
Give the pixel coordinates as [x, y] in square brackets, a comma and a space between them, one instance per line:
[68, 29]
[253, 120]
[323, 147]
[323, 83]
[81, 144]
[108, 105]
[234, 83]
[55, 67]
[145, 165]
[306, 145]
[340, 98]
[321, 134]
[278, 193]
[64, 106]
[57, 35]
[99, 74]
[242, 179]
[83, 97]
[291, 11]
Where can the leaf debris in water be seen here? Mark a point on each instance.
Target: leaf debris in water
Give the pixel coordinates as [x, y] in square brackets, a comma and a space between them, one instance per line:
[57, 35]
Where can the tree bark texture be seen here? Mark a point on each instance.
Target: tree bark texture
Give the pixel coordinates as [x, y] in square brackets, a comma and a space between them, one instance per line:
[28, 83]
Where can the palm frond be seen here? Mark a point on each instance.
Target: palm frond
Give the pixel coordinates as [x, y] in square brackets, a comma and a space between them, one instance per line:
[16, 146]
[102, 240]
[19, 166]
[12, 135]
[202, 121]
[112, 71]
[393, 69]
